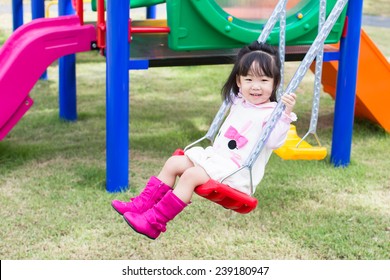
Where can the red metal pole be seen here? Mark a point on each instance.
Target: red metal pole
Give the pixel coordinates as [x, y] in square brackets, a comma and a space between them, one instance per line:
[80, 10]
[101, 25]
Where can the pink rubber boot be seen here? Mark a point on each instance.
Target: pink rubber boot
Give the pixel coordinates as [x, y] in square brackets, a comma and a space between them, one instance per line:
[154, 221]
[151, 194]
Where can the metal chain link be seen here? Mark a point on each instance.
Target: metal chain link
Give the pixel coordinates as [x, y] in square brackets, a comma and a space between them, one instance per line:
[318, 72]
[218, 120]
[215, 125]
[272, 21]
[317, 81]
[282, 50]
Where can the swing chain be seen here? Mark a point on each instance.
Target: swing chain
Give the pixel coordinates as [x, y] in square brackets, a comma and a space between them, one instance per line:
[282, 50]
[216, 123]
[317, 81]
[298, 76]
[318, 72]
[313, 51]
[278, 12]
[272, 21]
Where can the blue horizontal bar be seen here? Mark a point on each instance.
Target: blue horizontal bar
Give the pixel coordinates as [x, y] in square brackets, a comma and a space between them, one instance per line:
[138, 64]
[331, 56]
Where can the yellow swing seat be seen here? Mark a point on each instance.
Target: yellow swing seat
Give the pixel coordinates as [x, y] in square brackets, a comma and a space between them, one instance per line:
[305, 151]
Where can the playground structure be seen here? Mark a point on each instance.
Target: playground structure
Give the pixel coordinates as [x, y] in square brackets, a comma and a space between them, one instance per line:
[181, 44]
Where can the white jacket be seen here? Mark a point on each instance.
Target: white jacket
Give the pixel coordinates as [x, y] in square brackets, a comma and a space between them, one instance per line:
[235, 141]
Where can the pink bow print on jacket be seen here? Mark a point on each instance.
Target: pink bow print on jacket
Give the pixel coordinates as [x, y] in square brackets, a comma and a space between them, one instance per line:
[232, 133]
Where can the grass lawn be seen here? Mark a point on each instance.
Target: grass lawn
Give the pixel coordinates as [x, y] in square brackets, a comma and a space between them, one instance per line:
[52, 178]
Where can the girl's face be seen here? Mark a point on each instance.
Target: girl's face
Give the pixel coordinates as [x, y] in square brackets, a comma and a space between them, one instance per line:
[255, 89]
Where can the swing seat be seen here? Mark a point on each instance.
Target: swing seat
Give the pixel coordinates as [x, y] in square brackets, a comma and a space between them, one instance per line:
[305, 151]
[224, 195]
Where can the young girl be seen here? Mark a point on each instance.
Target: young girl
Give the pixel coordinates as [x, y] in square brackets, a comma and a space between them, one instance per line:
[253, 81]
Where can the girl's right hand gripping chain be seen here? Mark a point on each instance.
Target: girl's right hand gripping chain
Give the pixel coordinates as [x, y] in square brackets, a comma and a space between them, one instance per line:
[289, 100]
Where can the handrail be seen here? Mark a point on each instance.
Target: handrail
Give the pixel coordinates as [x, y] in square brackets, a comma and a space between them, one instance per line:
[79, 7]
[101, 25]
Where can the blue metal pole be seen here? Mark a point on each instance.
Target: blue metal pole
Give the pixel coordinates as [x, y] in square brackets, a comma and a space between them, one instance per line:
[117, 96]
[17, 13]
[67, 75]
[66, 7]
[151, 12]
[38, 11]
[346, 87]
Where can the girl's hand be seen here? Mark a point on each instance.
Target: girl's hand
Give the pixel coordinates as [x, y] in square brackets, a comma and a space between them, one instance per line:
[289, 101]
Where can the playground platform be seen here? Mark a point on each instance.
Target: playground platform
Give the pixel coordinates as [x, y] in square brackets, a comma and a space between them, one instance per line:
[155, 50]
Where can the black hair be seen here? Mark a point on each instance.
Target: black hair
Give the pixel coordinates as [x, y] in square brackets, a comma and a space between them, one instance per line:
[266, 58]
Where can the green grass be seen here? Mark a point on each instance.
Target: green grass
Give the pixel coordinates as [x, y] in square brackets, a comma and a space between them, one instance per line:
[376, 7]
[3, 37]
[381, 37]
[52, 178]
[54, 203]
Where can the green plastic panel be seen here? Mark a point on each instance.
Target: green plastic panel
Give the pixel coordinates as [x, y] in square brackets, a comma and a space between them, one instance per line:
[133, 3]
[203, 24]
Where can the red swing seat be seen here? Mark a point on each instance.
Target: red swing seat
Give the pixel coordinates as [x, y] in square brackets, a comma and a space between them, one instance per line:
[224, 195]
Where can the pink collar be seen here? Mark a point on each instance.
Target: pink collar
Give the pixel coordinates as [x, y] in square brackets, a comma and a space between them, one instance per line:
[247, 104]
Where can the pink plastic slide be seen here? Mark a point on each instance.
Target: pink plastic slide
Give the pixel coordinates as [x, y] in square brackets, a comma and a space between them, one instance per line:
[26, 55]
